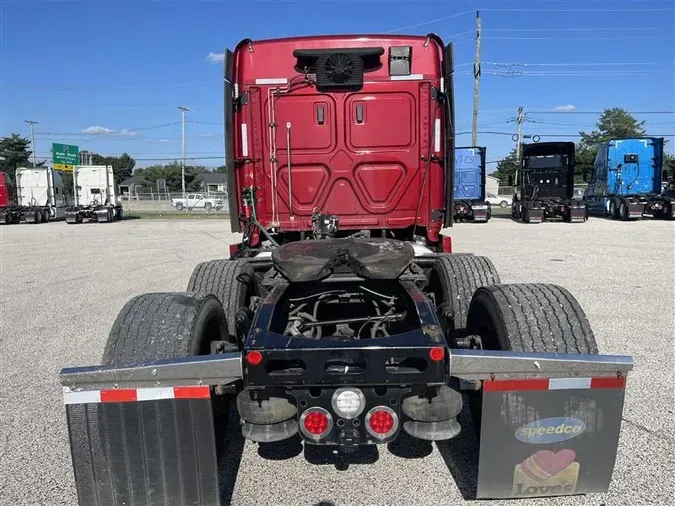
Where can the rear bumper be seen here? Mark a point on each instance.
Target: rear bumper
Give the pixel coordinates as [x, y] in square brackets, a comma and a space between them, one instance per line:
[158, 417]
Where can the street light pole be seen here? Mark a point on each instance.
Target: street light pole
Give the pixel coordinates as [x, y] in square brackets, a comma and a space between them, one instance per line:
[183, 110]
[32, 136]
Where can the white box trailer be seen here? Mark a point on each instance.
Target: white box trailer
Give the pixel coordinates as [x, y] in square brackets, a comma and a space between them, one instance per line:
[39, 196]
[95, 195]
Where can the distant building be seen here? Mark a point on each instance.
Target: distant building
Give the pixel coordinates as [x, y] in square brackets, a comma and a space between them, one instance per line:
[214, 182]
[132, 185]
[491, 185]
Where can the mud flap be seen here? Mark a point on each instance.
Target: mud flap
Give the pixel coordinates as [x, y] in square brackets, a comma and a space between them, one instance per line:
[635, 210]
[549, 437]
[139, 453]
[480, 214]
[577, 214]
[535, 215]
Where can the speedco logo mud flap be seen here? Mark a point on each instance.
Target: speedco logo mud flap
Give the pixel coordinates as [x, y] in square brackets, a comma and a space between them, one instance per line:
[143, 446]
[549, 437]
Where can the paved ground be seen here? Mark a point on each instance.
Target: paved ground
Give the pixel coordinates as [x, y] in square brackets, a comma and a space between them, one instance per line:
[62, 287]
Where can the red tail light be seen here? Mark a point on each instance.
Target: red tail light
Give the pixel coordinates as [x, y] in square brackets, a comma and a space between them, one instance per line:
[316, 423]
[233, 249]
[381, 422]
[437, 353]
[254, 357]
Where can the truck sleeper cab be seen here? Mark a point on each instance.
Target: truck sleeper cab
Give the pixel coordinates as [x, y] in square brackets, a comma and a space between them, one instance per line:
[39, 196]
[469, 188]
[626, 180]
[352, 128]
[545, 185]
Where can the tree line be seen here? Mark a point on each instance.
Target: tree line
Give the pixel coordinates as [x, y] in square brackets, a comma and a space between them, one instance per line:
[612, 123]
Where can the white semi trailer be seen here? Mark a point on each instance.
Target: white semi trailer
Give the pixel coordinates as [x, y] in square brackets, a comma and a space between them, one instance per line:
[95, 195]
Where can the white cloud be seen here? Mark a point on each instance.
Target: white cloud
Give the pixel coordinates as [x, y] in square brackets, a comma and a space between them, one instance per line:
[216, 57]
[565, 108]
[100, 130]
[97, 130]
[164, 140]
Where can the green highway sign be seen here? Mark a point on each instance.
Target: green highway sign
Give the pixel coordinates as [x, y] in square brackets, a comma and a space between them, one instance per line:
[65, 155]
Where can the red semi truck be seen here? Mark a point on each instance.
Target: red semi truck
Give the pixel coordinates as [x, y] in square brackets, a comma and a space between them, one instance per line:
[359, 135]
[338, 319]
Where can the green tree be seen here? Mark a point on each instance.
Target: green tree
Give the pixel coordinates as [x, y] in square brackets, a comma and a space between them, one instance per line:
[506, 168]
[14, 153]
[614, 122]
[172, 174]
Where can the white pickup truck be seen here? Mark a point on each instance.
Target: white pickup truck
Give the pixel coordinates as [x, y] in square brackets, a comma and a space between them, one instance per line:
[197, 201]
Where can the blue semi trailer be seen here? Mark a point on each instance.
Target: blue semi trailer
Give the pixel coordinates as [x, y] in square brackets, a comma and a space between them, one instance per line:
[469, 189]
[627, 178]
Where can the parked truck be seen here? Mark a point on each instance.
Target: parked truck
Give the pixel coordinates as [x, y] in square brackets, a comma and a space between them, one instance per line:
[95, 195]
[627, 179]
[469, 190]
[38, 197]
[342, 317]
[545, 185]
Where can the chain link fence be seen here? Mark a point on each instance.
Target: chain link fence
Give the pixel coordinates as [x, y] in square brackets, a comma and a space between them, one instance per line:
[174, 203]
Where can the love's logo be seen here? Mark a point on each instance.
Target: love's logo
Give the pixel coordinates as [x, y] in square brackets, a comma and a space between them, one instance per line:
[546, 473]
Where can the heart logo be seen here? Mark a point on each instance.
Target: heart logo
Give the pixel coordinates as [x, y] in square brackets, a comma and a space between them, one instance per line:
[545, 463]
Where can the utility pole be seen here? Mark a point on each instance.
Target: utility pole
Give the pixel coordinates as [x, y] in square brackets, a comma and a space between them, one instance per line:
[32, 136]
[183, 110]
[476, 82]
[519, 135]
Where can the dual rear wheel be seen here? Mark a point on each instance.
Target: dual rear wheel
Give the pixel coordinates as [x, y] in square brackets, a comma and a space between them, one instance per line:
[519, 317]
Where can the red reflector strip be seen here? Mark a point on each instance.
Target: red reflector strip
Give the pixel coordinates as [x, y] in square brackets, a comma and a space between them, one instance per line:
[553, 384]
[515, 385]
[135, 394]
[608, 382]
[126, 395]
[201, 392]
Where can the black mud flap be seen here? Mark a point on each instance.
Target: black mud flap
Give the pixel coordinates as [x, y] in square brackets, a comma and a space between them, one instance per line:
[159, 452]
[577, 215]
[635, 210]
[542, 438]
[535, 215]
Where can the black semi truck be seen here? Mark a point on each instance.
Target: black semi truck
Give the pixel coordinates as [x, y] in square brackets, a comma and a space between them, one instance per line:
[545, 185]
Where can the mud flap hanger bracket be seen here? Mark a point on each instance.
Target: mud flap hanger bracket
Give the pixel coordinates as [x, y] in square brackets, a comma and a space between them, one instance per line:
[227, 368]
[471, 365]
[219, 369]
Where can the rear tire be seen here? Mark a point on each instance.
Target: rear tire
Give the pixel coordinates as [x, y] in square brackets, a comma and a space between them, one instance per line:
[158, 326]
[454, 279]
[232, 281]
[162, 326]
[623, 211]
[527, 317]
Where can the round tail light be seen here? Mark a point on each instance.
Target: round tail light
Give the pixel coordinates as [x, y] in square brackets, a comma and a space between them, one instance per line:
[316, 423]
[381, 422]
[348, 402]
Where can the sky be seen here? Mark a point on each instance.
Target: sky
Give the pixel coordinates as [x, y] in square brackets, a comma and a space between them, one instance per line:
[109, 76]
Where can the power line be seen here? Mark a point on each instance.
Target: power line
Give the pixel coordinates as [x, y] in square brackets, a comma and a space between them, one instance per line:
[593, 64]
[540, 111]
[431, 22]
[579, 38]
[594, 29]
[660, 9]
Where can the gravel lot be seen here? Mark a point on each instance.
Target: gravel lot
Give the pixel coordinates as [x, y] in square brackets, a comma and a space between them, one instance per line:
[62, 286]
